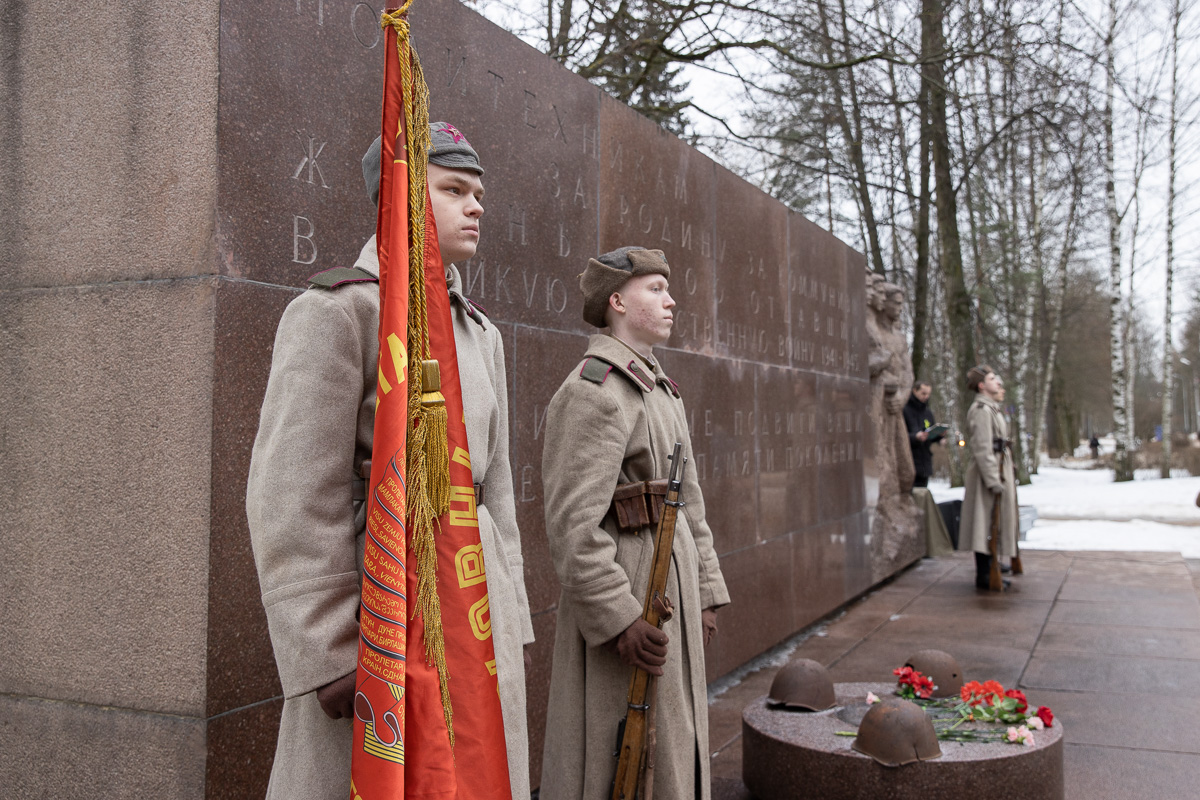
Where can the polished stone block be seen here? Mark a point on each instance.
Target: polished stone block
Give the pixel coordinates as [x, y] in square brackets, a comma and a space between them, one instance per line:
[106, 500]
[843, 430]
[537, 690]
[547, 358]
[657, 192]
[761, 587]
[818, 564]
[536, 128]
[241, 665]
[719, 399]
[54, 749]
[788, 422]
[109, 153]
[291, 136]
[750, 241]
[241, 749]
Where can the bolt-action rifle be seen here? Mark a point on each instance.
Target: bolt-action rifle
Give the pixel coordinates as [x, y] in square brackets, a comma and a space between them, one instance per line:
[636, 733]
[1017, 567]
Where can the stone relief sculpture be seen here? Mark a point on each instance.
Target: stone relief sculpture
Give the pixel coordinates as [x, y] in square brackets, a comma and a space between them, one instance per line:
[895, 520]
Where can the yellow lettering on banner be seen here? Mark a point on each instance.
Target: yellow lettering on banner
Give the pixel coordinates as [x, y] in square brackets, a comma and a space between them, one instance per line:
[468, 563]
[462, 456]
[481, 619]
[467, 517]
[491, 667]
[399, 363]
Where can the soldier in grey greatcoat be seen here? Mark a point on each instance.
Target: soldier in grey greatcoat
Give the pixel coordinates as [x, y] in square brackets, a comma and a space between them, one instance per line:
[990, 478]
[304, 497]
[614, 421]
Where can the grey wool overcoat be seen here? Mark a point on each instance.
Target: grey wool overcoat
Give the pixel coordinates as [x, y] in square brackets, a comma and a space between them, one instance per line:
[315, 430]
[599, 435]
[985, 424]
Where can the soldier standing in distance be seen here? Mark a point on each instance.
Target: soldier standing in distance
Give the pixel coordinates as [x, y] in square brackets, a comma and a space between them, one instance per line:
[613, 422]
[305, 497]
[990, 478]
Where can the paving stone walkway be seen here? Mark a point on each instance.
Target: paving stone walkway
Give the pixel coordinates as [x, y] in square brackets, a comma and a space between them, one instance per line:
[1110, 641]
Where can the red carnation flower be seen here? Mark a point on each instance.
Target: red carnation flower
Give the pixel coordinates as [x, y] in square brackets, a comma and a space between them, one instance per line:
[1046, 716]
[1022, 702]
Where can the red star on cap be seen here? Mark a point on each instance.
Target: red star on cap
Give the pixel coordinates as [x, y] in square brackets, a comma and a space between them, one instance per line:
[453, 131]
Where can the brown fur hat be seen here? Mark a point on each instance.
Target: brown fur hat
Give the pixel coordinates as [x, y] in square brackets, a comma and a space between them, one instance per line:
[976, 376]
[608, 273]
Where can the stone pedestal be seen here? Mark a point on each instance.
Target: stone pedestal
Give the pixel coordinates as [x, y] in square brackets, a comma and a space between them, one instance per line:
[788, 755]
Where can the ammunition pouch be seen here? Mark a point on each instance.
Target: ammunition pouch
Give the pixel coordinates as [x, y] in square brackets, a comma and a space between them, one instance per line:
[639, 505]
[1000, 445]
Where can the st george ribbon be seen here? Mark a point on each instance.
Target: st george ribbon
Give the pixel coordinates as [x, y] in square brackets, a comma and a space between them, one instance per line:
[427, 712]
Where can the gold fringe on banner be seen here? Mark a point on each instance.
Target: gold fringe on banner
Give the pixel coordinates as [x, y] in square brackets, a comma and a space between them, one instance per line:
[428, 462]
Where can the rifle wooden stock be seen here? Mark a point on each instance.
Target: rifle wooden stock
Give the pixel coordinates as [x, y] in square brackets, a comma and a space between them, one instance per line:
[636, 730]
[1017, 567]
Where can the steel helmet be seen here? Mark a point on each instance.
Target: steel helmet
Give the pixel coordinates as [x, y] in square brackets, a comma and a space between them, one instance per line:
[802, 684]
[941, 667]
[896, 732]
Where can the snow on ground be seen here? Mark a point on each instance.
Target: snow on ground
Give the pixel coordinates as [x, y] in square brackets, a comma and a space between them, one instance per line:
[1084, 510]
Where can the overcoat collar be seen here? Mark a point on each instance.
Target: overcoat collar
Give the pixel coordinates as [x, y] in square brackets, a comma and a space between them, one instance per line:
[983, 399]
[615, 352]
[368, 259]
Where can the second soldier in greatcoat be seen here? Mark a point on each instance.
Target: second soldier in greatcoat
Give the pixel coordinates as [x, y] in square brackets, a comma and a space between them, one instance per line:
[613, 422]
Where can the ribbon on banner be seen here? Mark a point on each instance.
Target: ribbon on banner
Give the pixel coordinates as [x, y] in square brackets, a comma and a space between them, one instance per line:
[424, 615]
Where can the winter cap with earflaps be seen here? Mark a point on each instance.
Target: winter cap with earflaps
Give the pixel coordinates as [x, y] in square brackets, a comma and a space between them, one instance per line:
[608, 273]
[449, 149]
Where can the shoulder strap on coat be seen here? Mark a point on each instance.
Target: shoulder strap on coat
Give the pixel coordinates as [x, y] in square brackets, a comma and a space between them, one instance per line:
[333, 278]
[595, 370]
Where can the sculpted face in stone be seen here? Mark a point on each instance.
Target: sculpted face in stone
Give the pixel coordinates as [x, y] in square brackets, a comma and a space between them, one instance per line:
[640, 313]
[456, 197]
[875, 297]
[893, 304]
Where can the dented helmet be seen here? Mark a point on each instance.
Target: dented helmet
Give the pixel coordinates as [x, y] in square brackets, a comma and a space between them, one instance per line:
[896, 732]
[802, 684]
[941, 667]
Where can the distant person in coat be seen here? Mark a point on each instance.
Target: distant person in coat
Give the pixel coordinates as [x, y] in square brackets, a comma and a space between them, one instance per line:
[990, 478]
[1094, 444]
[918, 419]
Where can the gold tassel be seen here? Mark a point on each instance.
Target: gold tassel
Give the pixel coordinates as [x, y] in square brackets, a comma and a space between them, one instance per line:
[437, 453]
[427, 461]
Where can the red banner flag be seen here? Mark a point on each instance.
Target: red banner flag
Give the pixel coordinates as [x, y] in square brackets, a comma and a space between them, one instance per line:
[427, 722]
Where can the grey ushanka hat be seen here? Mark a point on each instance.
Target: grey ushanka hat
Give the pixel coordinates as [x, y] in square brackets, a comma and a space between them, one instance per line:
[450, 149]
[608, 273]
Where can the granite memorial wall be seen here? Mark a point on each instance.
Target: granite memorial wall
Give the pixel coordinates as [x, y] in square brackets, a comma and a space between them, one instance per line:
[233, 138]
